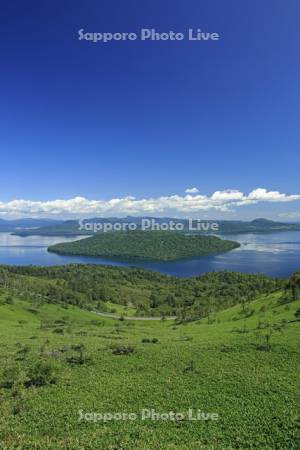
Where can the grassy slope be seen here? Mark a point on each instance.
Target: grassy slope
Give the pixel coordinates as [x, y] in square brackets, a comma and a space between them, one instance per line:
[255, 393]
[152, 245]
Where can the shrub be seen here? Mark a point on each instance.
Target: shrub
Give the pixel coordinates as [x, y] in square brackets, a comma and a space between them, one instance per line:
[33, 310]
[9, 301]
[23, 352]
[60, 322]
[266, 347]
[297, 313]
[225, 348]
[263, 348]
[123, 350]
[150, 341]
[41, 373]
[64, 349]
[81, 333]
[79, 358]
[97, 323]
[58, 330]
[191, 368]
[10, 376]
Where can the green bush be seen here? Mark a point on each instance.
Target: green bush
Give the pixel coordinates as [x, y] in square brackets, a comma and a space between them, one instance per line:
[41, 373]
[123, 350]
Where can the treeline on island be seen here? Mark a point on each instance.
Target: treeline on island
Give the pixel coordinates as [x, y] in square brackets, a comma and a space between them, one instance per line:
[146, 245]
[151, 294]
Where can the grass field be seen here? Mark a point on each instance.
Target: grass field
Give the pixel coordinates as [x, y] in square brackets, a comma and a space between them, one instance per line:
[56, 362]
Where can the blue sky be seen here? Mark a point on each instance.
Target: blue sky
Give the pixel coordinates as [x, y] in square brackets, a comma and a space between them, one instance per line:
[149, 119]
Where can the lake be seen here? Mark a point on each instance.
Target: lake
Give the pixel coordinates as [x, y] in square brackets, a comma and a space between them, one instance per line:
[276, 254]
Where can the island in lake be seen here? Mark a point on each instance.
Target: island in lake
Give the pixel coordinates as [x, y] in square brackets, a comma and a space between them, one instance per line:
[145, 245]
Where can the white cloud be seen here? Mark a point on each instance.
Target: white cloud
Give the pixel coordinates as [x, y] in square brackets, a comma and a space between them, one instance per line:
[186, 205]
[228, 195]
[272, 196]
[192, 190]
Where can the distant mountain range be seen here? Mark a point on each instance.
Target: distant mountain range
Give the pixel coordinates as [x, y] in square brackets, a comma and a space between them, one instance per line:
[50, 227]
[15, 224]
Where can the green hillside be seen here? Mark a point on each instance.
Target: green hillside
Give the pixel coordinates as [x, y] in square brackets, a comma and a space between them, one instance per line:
[146, 245]
[150, 293]
[60, 362]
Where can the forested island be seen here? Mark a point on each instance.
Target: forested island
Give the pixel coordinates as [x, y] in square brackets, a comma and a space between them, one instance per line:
[145, 245]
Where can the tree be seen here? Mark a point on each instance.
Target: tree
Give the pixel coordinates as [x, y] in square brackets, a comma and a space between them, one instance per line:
[153, 301]
[294, 285]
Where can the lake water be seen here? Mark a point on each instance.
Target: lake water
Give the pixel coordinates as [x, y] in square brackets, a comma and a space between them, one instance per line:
[276, 254]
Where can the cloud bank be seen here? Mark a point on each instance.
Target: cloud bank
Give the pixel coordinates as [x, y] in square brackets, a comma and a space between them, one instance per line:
[191, 203]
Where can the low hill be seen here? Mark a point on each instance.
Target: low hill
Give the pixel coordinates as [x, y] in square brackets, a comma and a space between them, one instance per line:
[149, 293]
[145, 245]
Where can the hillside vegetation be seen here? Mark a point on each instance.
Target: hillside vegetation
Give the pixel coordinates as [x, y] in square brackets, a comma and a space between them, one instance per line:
[150, 293]
[145, 245]
[59, 361]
